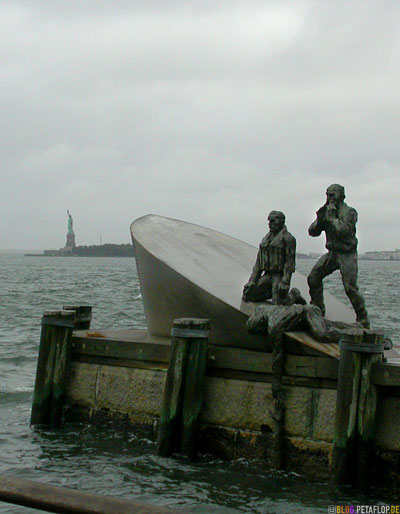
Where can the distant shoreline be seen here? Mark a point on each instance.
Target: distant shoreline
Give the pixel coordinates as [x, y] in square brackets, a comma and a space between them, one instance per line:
[126, 250]
[379, 259]
[106, 250]
[129, 256]
[70, 255]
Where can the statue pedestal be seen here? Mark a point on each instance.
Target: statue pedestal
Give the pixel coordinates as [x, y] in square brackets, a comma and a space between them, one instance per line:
[69, 245]
[70, 240]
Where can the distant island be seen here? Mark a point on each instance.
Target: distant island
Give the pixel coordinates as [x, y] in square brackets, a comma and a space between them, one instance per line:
[106, 250]
[71, 250]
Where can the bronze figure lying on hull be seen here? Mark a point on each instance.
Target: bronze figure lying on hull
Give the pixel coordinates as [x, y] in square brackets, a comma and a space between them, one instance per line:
[273, 320]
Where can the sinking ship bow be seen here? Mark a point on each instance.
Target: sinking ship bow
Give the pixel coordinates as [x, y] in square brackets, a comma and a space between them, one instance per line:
[187, 270]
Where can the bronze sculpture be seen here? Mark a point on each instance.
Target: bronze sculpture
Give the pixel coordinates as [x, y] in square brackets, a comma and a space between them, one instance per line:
[274, 320]
[202, 273]
[338, 221]
[275, 264]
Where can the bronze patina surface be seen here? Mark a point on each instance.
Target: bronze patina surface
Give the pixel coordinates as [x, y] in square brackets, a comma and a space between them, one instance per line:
[338, 221]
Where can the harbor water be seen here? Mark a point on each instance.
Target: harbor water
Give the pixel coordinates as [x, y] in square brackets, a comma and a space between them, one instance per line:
[111, 460]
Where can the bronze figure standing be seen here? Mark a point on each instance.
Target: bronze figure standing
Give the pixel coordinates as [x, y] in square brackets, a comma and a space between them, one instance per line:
[338, 221]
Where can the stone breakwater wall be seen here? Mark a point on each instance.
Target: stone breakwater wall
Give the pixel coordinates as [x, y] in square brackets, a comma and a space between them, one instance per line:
[124, 381]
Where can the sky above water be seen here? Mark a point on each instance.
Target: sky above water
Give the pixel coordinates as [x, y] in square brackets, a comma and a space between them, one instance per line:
[210, 112]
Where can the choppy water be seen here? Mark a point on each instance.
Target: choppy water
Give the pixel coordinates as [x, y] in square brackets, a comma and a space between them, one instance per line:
[110, 460]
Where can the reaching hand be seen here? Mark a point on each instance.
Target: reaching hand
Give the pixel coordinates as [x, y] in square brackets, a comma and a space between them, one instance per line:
[283, 289]
[331, 211]
[321, 212]
[250, 285]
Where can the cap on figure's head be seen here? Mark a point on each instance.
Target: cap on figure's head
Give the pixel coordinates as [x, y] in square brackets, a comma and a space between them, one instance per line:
[337, 190]
[277, 214]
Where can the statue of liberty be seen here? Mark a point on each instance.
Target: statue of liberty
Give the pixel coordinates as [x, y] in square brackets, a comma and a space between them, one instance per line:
[70, 223]
[70, 244]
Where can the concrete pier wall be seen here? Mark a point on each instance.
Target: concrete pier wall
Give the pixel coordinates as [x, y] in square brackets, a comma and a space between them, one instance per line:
[236, 417]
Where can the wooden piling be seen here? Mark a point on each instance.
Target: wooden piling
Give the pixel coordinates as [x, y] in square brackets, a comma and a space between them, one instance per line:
[278, 414]
[367, 405]
[184, 387]
[54, 350]
[83, 315]
[344, 451]
[198, 330]
[169, 425]
[355, 407]
[61, 362]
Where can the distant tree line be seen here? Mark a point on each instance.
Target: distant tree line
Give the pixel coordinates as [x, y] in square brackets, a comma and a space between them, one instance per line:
[107, 250]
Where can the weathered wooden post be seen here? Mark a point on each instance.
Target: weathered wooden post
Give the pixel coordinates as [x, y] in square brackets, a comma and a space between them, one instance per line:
[197, 333]
[344, 440]
[54, 351]
[83, 315]
[278, 414]
[355, 407]
[169, 425]
[184, 387]
[372, 353]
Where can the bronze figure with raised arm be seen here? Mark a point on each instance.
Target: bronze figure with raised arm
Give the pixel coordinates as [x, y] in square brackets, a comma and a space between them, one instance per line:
[338, 221]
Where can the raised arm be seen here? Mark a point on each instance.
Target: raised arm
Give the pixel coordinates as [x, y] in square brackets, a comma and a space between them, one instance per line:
[318, 225]
[345, 225]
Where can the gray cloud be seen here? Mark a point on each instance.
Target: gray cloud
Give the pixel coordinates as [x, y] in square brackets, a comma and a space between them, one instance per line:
[211, 113]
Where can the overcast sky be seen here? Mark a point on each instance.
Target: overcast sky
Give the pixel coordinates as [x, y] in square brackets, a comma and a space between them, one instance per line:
[210, 112]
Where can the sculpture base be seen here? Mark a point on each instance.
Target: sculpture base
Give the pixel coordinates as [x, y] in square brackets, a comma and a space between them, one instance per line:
[70, 241]
[67, 250]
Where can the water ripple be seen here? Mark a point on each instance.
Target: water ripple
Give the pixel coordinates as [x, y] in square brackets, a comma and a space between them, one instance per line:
[110, 460]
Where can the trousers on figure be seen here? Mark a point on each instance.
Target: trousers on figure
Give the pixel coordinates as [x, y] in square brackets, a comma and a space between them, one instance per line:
[347, 263]
[267, 288]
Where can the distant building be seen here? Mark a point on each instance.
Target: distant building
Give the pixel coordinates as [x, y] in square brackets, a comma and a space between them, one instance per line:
[386, 255]
[51, 253]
